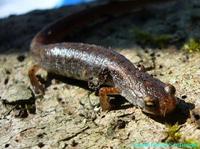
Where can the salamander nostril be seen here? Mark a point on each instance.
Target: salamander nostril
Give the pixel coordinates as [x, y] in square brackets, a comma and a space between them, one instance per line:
[170, 89]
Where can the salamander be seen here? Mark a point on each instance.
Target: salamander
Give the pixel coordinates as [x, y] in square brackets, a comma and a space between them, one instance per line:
[104, 69]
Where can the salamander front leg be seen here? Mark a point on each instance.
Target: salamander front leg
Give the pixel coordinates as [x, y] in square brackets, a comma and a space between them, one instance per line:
[104, 93]
[38, 87]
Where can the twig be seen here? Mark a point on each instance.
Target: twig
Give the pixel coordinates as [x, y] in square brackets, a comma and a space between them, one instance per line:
[74, 135]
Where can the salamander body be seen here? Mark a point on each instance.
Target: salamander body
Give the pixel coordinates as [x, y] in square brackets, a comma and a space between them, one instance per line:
[97, 65]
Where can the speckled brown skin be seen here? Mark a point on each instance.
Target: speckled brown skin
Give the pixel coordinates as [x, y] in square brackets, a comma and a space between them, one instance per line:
[97, 65]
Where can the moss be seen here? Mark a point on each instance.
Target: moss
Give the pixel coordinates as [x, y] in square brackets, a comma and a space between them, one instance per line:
[174, 137]
[192, 45]
[144, 37]
[194, 142]
[173, 134]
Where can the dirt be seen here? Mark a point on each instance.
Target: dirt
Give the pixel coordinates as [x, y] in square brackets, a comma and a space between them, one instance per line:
[68, 115]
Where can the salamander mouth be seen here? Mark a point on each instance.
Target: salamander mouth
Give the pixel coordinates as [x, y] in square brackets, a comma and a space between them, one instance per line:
[161, 108]
[150, 112]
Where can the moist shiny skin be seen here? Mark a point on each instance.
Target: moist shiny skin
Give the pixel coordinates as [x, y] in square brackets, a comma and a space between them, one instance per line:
[98, 65]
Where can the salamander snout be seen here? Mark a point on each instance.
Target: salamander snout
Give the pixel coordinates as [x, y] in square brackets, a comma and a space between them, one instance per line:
[169, 101]
[161, 104]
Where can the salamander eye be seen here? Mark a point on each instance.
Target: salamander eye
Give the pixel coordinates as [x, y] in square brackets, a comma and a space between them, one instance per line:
[149, 101]
[170, 89]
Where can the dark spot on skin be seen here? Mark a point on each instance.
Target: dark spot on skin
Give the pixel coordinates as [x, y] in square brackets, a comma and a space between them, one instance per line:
[160, 66]
[7, 145]
[74, 143]
[184, 96]
[40, 144]
[21, 58]
[129, 69]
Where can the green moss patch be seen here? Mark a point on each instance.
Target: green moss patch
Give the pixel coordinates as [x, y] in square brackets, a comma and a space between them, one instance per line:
[192, 45]
[147, 38]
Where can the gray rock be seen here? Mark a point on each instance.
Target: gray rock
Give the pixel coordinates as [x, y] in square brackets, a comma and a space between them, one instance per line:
[17, 93]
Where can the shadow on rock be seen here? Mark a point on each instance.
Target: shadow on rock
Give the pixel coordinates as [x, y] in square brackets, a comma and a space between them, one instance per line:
[180, 114]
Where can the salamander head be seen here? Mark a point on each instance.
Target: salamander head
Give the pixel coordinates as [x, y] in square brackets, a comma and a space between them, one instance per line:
[160, 100]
